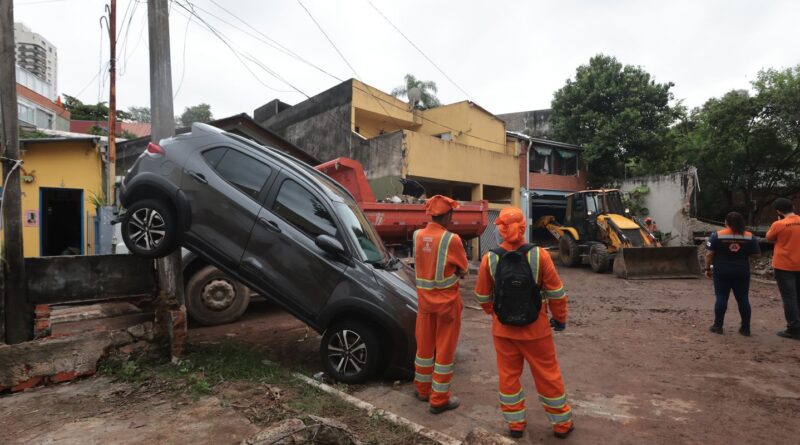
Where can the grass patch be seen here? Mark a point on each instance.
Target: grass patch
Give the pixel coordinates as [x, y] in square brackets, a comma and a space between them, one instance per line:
[243, 378]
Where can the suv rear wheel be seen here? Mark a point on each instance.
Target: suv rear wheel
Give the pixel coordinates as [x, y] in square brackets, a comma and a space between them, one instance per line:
[212, 297]
[149, 229]
[351, 351]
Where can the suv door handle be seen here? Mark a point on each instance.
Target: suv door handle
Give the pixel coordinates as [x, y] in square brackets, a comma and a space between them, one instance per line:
[270, 225]
[197, 177]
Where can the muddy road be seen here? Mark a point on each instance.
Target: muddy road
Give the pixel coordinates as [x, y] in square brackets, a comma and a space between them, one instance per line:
[639, 364]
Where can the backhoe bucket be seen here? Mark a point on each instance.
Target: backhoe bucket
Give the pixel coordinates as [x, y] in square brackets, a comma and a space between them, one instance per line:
[646, 263]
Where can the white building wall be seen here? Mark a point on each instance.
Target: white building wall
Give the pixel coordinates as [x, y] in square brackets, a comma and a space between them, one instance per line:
[23, 34]
[669, 201]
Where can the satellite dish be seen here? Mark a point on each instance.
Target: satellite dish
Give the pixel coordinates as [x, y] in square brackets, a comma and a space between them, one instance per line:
[414, 95]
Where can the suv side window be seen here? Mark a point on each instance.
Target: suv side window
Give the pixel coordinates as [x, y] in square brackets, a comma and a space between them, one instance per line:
[303, 210]
[214, 155]
[244, 172]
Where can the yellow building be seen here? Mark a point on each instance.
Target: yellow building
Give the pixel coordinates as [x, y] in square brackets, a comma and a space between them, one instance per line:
[459, 150]
[59, 178]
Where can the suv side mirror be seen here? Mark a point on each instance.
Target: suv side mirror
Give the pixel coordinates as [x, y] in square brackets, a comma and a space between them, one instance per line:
[330, 245]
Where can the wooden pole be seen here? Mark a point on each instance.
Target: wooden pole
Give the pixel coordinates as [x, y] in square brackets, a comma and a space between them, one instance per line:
[112, 104]
[170, 271]
[18, 315]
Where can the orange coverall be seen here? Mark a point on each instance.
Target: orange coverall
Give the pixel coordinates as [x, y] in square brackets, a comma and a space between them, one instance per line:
[533, 343]
[438, 255]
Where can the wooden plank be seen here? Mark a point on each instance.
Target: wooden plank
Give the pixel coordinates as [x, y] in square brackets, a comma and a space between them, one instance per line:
[72, 279]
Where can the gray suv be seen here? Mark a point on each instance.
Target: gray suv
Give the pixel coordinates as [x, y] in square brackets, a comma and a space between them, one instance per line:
[285, 230]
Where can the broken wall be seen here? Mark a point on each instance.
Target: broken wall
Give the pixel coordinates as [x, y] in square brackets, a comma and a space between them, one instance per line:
[669, 202]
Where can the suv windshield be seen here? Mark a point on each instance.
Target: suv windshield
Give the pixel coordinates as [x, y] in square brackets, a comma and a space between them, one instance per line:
[358, 227]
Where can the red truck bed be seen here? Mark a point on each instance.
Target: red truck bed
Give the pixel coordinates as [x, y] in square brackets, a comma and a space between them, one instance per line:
[396, 223]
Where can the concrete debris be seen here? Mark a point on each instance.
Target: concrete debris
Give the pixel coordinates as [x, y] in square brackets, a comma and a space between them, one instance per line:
[294, 432]
[479, 436]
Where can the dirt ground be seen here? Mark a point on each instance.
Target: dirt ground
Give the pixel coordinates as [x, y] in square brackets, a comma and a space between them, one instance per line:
[638, 361]
[639, 364]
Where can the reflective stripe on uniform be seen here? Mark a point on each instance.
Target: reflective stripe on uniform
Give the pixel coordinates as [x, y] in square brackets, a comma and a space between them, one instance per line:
[555, 294]
[423, 362]
[559, 418]
[439, 281]
[493, 257]
[553, 402]
[422, 378]
[512, 399]
[440, 387]
[737, 237]
[443, 369]
[483, 299]
[514, 416]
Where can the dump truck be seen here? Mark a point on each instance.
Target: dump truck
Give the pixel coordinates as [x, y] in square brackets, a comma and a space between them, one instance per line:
[600, 231]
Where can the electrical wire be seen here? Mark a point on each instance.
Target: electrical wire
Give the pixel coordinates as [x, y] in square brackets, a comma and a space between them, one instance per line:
[183, 57]
[17, 163]
[418, 49]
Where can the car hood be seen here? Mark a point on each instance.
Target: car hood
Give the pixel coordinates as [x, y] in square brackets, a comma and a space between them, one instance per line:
[400, 282]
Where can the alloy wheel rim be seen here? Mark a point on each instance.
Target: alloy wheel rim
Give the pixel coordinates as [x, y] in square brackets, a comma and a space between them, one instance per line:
[347, 352]
[147, 228]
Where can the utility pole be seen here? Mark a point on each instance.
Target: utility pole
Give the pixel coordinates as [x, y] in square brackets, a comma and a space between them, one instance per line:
[112, 104]
[172, 310]
[16, 311]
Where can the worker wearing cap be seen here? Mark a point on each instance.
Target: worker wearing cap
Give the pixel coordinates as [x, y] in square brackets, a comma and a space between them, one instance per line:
[785, 233]
[532, 343]
[440, 261]
[651, 226]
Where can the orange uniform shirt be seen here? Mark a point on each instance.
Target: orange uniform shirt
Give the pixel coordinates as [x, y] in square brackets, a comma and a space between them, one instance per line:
[785, 233]
[436, 261]
[553, 296]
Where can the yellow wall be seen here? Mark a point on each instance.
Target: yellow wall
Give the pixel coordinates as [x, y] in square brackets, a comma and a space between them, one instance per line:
[375, 101]
[468, 124]
[72, 165]
[431, 157]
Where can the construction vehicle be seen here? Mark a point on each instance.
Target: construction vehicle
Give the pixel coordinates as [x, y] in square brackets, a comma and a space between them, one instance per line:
[599, 230]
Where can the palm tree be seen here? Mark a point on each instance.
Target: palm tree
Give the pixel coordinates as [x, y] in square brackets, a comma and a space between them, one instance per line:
[427, 87]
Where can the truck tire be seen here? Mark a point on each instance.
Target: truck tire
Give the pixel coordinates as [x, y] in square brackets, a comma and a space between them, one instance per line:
[569, 252]
[599, 258]
[213, 298]
[351, 351]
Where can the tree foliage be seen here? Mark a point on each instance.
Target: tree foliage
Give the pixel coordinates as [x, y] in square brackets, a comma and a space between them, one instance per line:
[197, 113]
[428, 89]
[87, 112]
[747, 146]
[139, 114]
[617, 112]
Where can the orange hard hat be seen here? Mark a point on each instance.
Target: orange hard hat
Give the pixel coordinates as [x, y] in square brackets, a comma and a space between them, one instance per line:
[511, 224]
[439, 205]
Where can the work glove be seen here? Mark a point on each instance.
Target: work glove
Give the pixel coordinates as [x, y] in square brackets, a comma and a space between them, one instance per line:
[557, 325]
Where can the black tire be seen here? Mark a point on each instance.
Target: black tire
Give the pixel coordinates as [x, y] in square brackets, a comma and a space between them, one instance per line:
[150, 228]
[569, 252]
[365, 351]
[213, 297]
[599, 258]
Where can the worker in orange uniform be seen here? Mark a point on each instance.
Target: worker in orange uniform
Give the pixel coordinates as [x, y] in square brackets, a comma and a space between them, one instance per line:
[440, 261]
[517, 283]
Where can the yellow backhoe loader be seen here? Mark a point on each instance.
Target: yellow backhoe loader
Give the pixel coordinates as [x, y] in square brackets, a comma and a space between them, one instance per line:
[598, 230]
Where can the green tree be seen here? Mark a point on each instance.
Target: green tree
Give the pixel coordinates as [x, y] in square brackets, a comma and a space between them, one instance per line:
[197, 113]
[139, 114]
[747, 146]
[428, 89]
[618, 113]
[87, 112]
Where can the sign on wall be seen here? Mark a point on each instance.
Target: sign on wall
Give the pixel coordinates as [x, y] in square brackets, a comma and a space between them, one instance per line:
[31, 218]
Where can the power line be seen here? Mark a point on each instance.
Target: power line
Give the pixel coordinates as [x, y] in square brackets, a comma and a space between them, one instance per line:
[418, 49]
[183, 57]
[348, 63]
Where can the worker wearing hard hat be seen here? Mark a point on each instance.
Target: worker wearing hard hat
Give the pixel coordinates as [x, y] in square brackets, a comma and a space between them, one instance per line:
[440, 261]
[517, 283]
[650, 225]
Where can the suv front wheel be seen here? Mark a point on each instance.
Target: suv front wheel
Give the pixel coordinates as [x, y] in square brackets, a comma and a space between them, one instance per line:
[351, 351]
[149, 229]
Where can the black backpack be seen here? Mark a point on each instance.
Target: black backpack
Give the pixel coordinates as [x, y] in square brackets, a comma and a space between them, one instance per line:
[517, 296]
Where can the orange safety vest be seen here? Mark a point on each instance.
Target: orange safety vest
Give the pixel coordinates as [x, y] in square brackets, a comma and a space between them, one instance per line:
[438, 254]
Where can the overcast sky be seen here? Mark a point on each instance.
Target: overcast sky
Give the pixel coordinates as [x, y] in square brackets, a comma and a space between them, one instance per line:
[507, 55]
